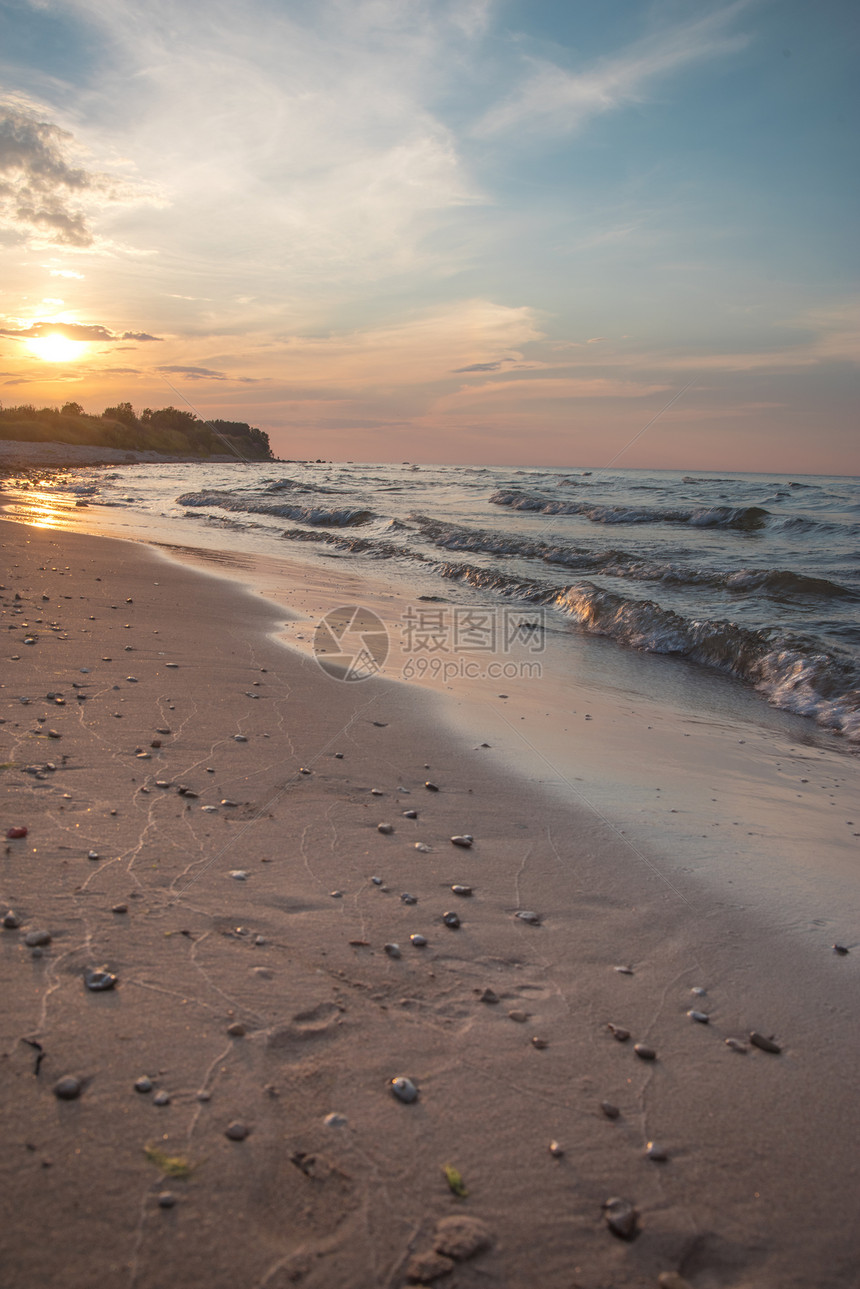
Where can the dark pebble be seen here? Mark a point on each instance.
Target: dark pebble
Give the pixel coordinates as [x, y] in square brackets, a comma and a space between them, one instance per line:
[763, 1043]
[237, 1131]
[611, 1111]
[451, 920]
[644, 1052]
[431, 787]
[99, 979]
[68, 1088]
[11, 921]
[35, 939]
[621, 1218]
[619, 1032]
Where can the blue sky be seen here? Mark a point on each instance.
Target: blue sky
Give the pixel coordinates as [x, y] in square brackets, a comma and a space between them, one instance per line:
[417, 229]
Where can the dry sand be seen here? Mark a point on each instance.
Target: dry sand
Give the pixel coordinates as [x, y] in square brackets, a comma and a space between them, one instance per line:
[760, 1185]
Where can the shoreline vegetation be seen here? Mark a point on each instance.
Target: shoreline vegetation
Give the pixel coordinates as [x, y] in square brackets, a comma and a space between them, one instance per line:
[168, 431]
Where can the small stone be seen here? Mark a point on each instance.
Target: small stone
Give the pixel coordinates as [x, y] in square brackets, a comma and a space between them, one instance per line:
[304, 770]
[451, 919]
[35, 939]
[418, 940]
[461, 1238]
[519, 1016]
[237, 1131]
[385, 828]
[11, 921]
[420, 845]
[526, 915]
[14, 834]
[377, 792]
[239, 738]
[658, 1153]
[489, 996]
[410, 814]
[164, 783]
[377, 881]
[99, 979]
[334, 1120]
[840, 949]
[644, 1052]
[393, 950]
[763, 1043]
[424, 1268]
[236, 1030]
[431, 787]
[540, 1043]
[338, 756]
[698, 991]
[93, 854]
[161, 1098]
[336, 895]
[556, 1150]
[203, 1095]
[404, 1089]
[119, 908]
[144, 756]
[621, 1218]
[406, 898]
[68, 1088]
[624, 971]
[143, 1084]
[736, 1045]
[619, 1032]
[464, 840]
[227, 802]
[239, 874]
[702, 1017]
[166, 1199]
[611, 1111]
[209, 810]
[461, 890]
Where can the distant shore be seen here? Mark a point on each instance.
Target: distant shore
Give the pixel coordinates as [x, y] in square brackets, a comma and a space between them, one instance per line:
[16, 455]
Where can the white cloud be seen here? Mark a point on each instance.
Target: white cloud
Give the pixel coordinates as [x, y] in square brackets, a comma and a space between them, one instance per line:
[555, 100]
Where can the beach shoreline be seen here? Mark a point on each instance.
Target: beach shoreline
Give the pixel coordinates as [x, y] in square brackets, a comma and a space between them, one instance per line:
[758, 1187]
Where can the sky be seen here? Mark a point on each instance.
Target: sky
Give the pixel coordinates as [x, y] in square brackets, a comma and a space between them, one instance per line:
[479, 231]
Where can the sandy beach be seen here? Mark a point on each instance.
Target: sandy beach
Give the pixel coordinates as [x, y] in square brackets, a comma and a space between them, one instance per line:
[202, 810]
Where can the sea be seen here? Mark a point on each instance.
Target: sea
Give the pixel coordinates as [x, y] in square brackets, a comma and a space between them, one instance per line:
[755, 577]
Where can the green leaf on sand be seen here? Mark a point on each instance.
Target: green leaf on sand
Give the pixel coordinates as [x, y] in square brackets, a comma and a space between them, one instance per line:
[454, 1180]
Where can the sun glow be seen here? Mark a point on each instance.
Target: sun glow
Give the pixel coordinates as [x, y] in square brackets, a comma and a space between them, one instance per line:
[56, 348]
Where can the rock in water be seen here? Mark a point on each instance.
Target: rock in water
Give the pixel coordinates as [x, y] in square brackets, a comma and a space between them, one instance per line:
[404, 1089]
[621, 1218]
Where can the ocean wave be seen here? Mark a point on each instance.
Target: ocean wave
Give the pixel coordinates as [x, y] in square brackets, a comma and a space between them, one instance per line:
[744, 518]
[346, 517]
[796, 675]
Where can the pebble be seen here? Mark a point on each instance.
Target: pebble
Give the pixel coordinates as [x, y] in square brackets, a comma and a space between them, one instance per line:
[464, 840]
[166, 1199]
[404, 1089]
[526, 915]
[540, 1043]
[385, 828]
[336, 895]
[698, 991]
[68, 1088]
[377, 881]
[304, 770]
[420, 845]
[644, 1052]
[377, 792]
[840, 949]
[161, 1098]
[93, 854]
[556, 1150]
[519, 1016]
[99, 979]
[461, 890]
[624, 971]
[11, 921]
[410, 814]
[763, 1043]
[418, 940]
[621, 1218]
[227, 802]
[393, 950]
[203, 1095]
[239, 738]
[119, 908]
[13, 834]
[658, 1153]
[334, 1120]
[702, 1017]
[736, 1045]
[143, 1084]
[35, 939]
[431, 787]
[237, 1131]
[489, 996]
[619, 1032]
[239, 874]
[209, 810]
[236, 1030]
[460, 1237]
[409, 899]
[163, 783]
[452, 920]
[611, 1111]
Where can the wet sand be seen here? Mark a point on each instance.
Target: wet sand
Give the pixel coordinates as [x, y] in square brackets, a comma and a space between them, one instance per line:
[268, 1001]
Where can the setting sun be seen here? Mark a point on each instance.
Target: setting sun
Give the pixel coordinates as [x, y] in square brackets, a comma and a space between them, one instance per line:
[56, 348]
